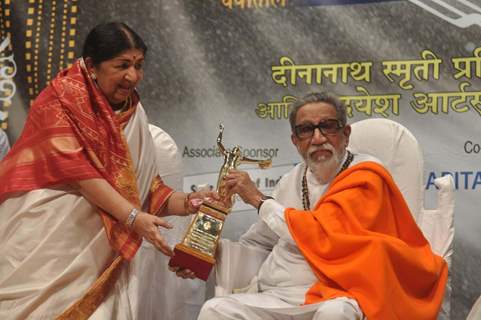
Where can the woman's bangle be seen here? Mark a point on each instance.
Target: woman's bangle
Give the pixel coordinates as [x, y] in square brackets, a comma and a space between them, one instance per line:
[131, 218]
[187, 203]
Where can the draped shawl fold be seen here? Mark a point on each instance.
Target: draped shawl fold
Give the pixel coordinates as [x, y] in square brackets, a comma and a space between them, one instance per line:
[362, 242]
[71, 134]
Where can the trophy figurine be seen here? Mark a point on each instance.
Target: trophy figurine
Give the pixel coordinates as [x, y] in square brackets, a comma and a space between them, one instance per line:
[197, 250]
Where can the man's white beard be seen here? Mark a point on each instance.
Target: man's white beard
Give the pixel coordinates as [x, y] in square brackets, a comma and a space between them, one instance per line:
[322, 167]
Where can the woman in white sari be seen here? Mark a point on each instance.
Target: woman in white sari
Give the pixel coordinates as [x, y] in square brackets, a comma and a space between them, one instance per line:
[80, 190]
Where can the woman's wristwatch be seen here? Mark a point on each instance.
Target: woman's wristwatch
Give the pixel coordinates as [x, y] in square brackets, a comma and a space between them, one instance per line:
[263, 199]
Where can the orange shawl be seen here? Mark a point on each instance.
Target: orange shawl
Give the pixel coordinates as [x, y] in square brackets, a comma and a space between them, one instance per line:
[71, 134]
[362, 242]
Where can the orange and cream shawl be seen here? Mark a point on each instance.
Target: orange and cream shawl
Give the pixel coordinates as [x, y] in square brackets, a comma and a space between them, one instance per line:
[362, 242]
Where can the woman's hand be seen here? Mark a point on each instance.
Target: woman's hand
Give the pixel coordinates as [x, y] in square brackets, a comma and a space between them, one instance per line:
[195, 199]
[182, 204]
[102, 194]
[146, 225]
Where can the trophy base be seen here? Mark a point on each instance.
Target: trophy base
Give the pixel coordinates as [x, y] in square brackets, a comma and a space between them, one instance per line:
[197, 250]
[188, 258]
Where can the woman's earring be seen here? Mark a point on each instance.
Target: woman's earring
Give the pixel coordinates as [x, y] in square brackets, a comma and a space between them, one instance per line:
[93, 76]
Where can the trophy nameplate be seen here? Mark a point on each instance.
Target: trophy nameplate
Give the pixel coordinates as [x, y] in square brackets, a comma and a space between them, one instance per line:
[197, 250]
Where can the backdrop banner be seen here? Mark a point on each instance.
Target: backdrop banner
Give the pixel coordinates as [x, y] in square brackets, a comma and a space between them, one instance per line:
[243, 62]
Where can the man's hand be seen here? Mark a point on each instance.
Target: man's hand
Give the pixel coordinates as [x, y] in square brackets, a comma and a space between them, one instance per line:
[183, 273]
[239, 182]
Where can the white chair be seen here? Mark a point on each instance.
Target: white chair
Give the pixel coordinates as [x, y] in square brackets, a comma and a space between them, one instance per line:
[475, 313]
[399, 150]
[173, 298]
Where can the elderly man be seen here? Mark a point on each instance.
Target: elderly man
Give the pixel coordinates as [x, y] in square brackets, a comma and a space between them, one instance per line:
[346, 247]
[4, 145]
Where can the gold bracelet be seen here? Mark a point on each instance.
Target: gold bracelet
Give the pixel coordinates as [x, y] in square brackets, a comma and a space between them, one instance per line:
[186, 202]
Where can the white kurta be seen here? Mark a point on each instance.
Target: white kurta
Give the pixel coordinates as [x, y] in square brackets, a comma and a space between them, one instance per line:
[285, 273]
[53, 245]
[285, 276]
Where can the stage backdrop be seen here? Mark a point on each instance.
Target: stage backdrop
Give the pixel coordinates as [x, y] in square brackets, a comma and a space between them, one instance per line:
[243, 62]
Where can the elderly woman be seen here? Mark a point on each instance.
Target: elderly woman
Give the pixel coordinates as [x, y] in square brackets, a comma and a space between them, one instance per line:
[80, 190]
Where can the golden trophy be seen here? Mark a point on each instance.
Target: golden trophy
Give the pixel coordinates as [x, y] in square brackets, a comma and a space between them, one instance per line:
[197, 250]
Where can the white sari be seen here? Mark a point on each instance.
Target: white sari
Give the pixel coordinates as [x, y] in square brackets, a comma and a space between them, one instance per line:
[53, 245]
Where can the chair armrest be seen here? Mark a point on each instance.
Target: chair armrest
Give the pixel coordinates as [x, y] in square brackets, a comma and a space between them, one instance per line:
[236, 265]
[437, 225]
[475, 312]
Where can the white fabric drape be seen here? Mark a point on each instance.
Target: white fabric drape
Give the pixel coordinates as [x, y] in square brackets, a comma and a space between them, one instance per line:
[53, 245]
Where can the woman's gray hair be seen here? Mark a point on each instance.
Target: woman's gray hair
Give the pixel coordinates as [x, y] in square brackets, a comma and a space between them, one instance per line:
[317, 97]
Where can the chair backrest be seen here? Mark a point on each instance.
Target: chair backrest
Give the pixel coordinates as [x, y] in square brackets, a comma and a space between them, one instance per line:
[398, 150]
[184, 298]
[400, 153]
[168, 158]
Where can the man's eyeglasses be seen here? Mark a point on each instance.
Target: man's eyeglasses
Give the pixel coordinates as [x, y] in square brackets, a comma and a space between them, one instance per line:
[327, 127]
